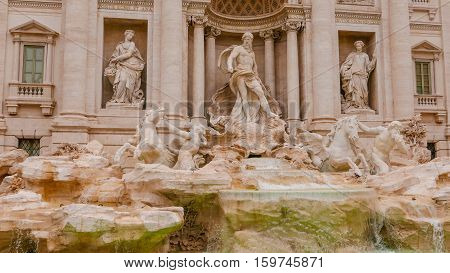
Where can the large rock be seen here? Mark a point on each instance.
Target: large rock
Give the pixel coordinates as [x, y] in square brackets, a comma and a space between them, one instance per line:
[63, 178]
[31, 225]
[147, 179]
[414, 180]
[110, 191]
[10, 159]
[408, 224]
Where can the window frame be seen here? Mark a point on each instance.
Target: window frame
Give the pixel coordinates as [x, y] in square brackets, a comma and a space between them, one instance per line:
[431, 63]
[22, 57]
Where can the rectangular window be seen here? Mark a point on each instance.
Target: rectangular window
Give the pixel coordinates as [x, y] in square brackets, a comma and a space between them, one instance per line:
[33, 64]
[30, 145]
[423, 77]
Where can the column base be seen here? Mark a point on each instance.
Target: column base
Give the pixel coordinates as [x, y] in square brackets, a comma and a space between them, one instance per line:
[322, 125]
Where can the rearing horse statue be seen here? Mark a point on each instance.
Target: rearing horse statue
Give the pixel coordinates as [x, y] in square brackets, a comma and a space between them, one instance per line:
[340, 151]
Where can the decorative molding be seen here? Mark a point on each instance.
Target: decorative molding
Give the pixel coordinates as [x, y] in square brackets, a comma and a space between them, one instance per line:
[246, 8]
[36, 4]
[356, 2]
[238, 24]
[195, 7]
[358, 18]
[198, 20]
[128, 5]
[270, 34]
[211, 32]
[33, 31]
[292, 25]
[425, 26]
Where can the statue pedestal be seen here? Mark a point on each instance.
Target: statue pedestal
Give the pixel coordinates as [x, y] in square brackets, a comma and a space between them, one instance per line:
[354, 111]
[123, 106]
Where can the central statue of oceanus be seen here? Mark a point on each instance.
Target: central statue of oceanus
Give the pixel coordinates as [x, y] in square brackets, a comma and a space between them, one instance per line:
[244, 107]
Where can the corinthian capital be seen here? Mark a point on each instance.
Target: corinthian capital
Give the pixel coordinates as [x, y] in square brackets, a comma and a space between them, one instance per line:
[212, 32]
[199, 20]
[270, 34]
[292, 25]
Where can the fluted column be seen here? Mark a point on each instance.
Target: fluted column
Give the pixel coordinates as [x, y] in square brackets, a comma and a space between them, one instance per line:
[198, 81]
[293, 75]
[399, 36]
[323, 26]
[172, 59]
[269, 58]
[211, 65]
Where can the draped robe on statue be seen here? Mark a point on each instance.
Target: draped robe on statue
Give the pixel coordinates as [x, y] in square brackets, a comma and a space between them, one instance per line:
[228, 103]
[125, 75]
[355, 73]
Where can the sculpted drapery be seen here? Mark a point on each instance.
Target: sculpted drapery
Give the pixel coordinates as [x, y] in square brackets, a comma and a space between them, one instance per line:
[125, 70]
[355, 72]
[244, 99]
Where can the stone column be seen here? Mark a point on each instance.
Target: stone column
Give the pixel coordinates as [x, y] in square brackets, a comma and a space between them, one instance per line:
[71, 126]
[3, 85]
[269, 58]
[211, 65]
[172, 59]
[293, 74]
[49, 61]
[323, 25]
[16, 59]
[75, 57]
[399, 36]
[445, 9]
[198, 79]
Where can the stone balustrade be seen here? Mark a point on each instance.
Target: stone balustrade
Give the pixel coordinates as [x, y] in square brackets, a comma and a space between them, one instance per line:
[30, 94]
[434, 104]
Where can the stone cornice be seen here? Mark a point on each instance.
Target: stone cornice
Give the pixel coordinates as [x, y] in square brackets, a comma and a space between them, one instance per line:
[36, 4]
[128, 5]
[425, 26]
[195, 7]
[352, 17]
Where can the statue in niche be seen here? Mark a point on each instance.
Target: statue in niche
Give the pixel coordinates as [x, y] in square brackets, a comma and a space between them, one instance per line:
[244, 107]
[124, 72]
[355, 72]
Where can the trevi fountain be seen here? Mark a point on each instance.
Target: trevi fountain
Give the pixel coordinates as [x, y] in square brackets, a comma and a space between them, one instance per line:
[242, 182]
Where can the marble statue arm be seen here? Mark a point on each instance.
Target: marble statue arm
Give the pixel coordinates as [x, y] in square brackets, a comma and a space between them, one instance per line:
[372, 64]
[126, 55]
[255, 66]
[174, 130]
[369, 130]
[401, 144]
[231, 59]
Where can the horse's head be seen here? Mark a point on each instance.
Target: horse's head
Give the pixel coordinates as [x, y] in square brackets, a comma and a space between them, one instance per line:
[154, 116]
[349, 125]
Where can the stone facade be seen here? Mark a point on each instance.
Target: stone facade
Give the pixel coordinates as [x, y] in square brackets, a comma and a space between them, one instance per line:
[299, 46]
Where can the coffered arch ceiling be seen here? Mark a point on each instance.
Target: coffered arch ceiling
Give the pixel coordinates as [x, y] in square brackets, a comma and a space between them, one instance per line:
[246, 7]
[238, 16]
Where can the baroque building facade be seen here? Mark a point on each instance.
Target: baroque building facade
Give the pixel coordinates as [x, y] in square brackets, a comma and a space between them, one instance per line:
[63, 78]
